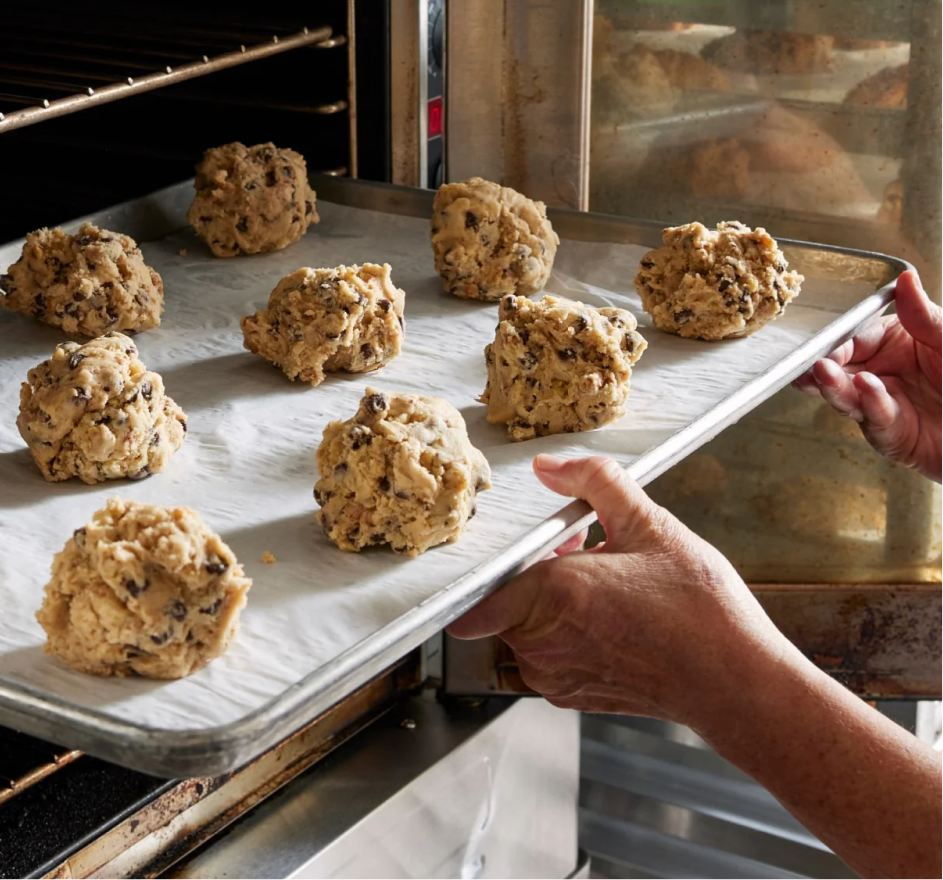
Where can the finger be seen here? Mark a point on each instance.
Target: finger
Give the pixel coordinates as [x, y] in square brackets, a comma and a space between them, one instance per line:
[863, 345]
[624, 510]
[572, 544]
[920, 317]
[843, 353]
[879, 409]
[502, 610]
[806, 384]
[837, 389]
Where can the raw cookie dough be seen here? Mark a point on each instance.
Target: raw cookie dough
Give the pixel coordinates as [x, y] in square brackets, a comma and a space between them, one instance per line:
[489, 240]
[640, 82]
[251, 200]
[401, 472]
[142, 589]
[887, 88]
[718, 167]
[326, 320]
[781, 160]
[772, 52]
[95, 412]
[557, 366]
[706, 284]
[630, 85]
[87, 284]
[687, 71]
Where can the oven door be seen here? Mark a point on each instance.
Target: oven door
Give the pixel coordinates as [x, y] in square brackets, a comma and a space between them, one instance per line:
[831, 539]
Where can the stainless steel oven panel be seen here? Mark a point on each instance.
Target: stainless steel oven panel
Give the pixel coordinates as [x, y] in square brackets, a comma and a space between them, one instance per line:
[215, 750]
[425, 792]
[517, 95]
[408, 154]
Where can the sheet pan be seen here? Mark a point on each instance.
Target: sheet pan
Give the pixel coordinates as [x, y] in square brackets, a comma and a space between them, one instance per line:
[320, 622]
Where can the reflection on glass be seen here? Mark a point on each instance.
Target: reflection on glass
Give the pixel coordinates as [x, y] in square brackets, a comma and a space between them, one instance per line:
[807, 119]
[686, 116]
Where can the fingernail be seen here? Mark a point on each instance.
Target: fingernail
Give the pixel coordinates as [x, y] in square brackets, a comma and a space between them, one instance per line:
[547, 462]
[915, 277]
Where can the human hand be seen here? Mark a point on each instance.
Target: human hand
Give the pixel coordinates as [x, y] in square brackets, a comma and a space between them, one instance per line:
[654, 621]
[887, 378]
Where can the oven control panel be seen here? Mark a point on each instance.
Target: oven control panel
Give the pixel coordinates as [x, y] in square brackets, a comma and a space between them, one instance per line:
[435, 95]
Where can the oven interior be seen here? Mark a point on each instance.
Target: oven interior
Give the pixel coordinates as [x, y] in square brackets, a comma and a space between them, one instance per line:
[97, 153]
[101, 154]
[334, 98]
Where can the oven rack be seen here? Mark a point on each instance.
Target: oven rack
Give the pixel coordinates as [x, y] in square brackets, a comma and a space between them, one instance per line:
[25, 760]
[878, 131]
[48, 73]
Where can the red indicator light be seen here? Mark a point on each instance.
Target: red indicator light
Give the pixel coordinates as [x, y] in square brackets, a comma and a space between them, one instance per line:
[435, 117]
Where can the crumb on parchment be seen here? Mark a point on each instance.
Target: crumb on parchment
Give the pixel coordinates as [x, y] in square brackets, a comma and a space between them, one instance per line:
[268, 557]
[182, 252]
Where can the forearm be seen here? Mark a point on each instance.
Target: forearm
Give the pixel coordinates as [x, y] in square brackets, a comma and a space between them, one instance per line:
[806, 739]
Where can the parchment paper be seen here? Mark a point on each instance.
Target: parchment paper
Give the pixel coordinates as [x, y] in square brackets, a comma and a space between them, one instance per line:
[248, 464]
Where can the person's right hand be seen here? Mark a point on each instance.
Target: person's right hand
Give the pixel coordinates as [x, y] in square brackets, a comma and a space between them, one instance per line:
[654, 621]
[887, 378]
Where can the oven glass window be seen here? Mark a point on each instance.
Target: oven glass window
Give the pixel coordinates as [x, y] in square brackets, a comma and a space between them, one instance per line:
[707, 117]
[818, 121]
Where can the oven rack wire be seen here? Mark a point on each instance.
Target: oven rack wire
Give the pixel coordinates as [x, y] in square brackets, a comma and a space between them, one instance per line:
[51, 74]
[25, 760]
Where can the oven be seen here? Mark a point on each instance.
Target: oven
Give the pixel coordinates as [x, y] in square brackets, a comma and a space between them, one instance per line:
[437, 765]
[397, 778]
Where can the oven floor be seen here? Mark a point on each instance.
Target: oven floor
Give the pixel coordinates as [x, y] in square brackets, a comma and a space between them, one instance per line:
[45, 823]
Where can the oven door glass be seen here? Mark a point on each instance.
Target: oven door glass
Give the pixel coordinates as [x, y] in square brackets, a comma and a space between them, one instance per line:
[819, 121]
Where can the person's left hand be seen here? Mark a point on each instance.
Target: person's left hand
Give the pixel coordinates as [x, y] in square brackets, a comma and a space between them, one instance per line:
[652, 622]
[887, 378]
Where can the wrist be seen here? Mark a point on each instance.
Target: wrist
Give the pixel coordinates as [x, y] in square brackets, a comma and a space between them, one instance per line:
[759, 675]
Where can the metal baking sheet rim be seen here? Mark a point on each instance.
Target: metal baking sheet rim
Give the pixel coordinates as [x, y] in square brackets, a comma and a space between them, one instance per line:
[208, 751]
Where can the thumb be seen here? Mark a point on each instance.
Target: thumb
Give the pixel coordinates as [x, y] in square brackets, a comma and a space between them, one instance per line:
[625, 512]
[918, 315]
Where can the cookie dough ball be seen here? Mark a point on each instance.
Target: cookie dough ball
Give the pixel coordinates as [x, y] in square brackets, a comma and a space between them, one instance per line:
[142, 589]
[723, 284]
[687, 71]
[95, 412]
[783, 161]
[887, 88]
[557, 366]
[328, 320]
[251, 200]
[631, 85]
[772, 52]
[489, 240]
[87, 284]
[401, 472]
[717, 168]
